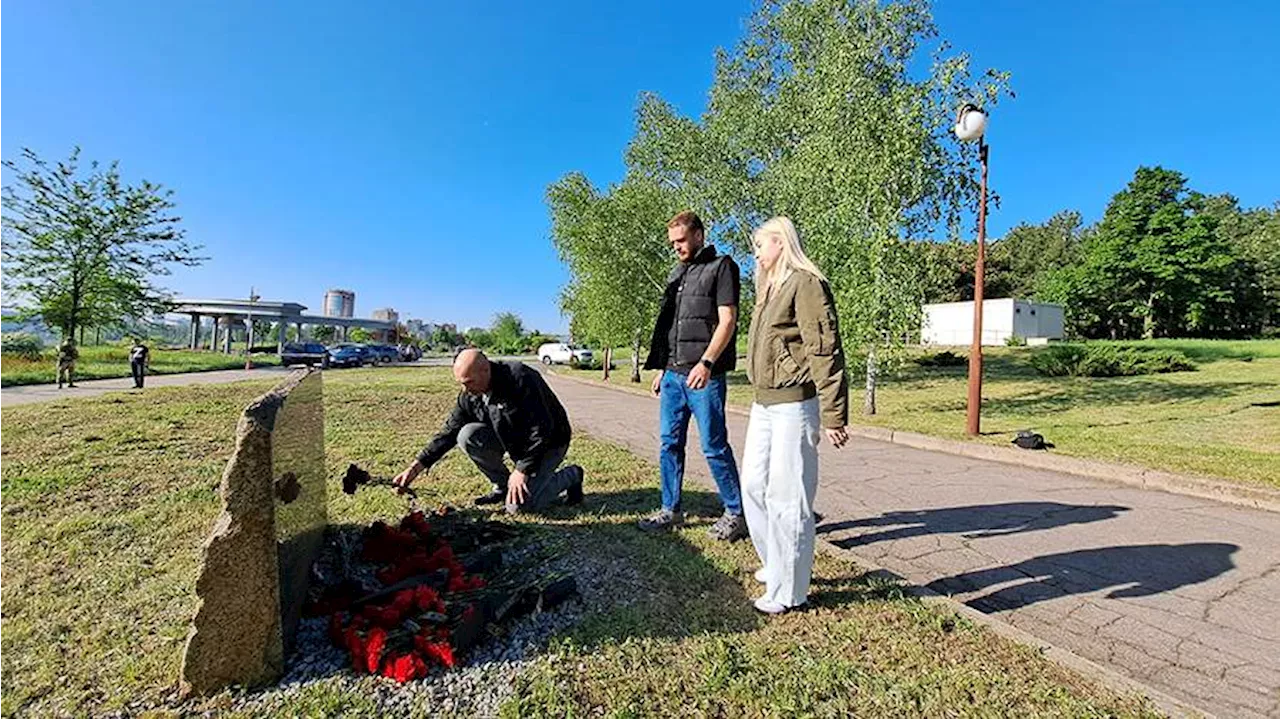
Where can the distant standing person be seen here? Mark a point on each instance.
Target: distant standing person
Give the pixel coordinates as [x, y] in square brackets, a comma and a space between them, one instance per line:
[795, 362]
[67, 356]
[139, 361]
[694, 344]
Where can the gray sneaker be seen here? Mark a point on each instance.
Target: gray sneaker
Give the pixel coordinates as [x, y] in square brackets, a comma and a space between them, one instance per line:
[663, 520]
[728, 528]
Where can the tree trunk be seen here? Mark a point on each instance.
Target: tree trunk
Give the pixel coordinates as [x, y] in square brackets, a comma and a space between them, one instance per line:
[1149, 321]
[608, 357]
[97, 335]
[869, 398]
[82, 335]
[635, 360]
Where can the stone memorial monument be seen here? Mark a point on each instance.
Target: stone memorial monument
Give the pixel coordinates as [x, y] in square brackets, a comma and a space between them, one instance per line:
[257, 561]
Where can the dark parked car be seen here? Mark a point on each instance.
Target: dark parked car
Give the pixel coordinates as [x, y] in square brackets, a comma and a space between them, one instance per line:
[383, 354]
[348, 355]
[307, 353]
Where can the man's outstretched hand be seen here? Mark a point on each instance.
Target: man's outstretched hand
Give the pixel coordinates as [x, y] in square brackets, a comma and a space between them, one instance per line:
[405, 478]
[517, 488]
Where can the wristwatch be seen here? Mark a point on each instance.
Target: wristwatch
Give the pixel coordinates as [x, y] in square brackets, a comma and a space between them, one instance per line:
[707, 363]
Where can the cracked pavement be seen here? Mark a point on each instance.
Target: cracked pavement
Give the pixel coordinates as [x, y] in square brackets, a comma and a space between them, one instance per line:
[1176, 592]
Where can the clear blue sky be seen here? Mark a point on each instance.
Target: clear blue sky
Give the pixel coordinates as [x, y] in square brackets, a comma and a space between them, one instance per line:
[401, 149]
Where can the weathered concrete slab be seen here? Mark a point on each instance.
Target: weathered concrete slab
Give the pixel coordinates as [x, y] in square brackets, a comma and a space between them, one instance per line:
[258, 558]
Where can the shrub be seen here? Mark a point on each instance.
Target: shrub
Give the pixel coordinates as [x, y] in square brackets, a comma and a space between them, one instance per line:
[597, 362]
[22, 344]
[1015, 341]
[1107, 361]
[945, 358]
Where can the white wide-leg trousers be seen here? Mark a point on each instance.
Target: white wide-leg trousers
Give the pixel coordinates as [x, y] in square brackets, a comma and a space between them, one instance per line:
[779, 482]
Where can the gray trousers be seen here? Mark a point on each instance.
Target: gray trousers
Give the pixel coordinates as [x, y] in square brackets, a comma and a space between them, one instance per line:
[546, 483]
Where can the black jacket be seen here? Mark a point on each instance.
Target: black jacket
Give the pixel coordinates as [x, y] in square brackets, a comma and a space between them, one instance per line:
[689, 304]
[522, 411]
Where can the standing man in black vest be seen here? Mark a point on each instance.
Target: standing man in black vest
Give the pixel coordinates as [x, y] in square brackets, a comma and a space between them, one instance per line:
[694, 343]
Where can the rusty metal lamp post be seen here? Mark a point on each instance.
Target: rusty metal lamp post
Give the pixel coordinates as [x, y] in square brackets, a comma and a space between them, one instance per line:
[971, 123]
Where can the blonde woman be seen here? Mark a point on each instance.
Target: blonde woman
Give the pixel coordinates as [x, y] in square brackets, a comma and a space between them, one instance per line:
[796, 365]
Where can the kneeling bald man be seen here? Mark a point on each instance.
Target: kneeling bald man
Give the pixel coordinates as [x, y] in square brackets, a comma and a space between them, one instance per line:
[506, 408]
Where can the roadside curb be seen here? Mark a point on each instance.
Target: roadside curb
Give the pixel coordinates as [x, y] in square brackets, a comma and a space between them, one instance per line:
[1253, 496]
[1086, 668]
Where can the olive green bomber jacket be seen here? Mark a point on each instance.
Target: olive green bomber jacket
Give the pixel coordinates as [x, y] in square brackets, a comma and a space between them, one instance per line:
[794, 349]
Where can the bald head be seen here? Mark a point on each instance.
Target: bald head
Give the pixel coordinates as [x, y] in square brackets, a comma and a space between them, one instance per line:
[471, 370]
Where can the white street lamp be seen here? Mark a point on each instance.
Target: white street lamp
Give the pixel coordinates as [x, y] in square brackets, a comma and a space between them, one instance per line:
[971, 123]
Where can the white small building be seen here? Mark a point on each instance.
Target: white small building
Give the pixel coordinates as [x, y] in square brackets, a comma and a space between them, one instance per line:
[951, 323]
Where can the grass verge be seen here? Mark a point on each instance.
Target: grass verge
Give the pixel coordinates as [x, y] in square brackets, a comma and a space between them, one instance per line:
[107, 502]
[1223, 420]
[111, 361]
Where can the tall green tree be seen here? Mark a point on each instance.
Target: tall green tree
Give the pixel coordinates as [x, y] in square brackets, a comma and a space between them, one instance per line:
[83, 247]
[1156, 267]
[1019, 263]
[944, 270]
[615, 247]
[1260, 247]
[821, 112]
[444, 338]
[1254, 281]
[480, 337]
[324, 333]
[507, 332]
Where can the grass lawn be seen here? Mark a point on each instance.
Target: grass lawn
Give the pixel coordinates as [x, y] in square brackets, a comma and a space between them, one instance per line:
[109, 361]
[1222, 420]
[107, 501]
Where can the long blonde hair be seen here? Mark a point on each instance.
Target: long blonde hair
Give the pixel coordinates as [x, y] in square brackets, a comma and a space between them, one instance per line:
[792, 259]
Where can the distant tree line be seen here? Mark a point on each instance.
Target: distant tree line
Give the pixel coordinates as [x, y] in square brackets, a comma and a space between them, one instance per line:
[1164, 261]
[505, 335]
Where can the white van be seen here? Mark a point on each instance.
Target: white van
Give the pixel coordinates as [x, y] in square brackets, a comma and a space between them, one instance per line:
[563, 353]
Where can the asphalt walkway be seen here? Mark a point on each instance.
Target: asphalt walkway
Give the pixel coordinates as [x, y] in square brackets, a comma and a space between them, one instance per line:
[1176, 592]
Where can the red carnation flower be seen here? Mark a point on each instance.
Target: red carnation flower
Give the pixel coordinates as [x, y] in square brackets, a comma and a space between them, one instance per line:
[425, 598]
[440, 652]
[374, 648]
[406, 667]
[417, 523]
[403, 600]
[356, 646]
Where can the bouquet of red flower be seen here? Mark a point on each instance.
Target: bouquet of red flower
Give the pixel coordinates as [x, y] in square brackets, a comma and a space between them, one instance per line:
[409, 626]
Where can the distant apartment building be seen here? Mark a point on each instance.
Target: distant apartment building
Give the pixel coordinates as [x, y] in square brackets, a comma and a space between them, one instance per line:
[420, 328]
[386, 314]
[339, 303]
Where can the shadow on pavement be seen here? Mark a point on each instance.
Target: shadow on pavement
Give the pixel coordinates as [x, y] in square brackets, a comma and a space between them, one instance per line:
[1139, 570]
[972, 522]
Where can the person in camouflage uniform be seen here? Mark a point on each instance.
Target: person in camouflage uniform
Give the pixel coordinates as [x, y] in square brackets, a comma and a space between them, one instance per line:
[67, 355]
[139, 361]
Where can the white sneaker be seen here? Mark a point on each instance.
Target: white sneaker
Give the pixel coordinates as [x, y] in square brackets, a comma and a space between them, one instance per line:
[760, 576]
[769, 607]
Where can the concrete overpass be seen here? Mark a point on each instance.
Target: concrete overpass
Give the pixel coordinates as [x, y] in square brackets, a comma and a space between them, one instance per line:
[226, 315]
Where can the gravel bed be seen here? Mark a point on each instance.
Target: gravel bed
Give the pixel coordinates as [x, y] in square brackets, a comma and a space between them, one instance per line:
[486, 677]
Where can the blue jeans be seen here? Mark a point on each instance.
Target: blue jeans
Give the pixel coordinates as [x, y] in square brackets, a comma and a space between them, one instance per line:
[706, 405]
